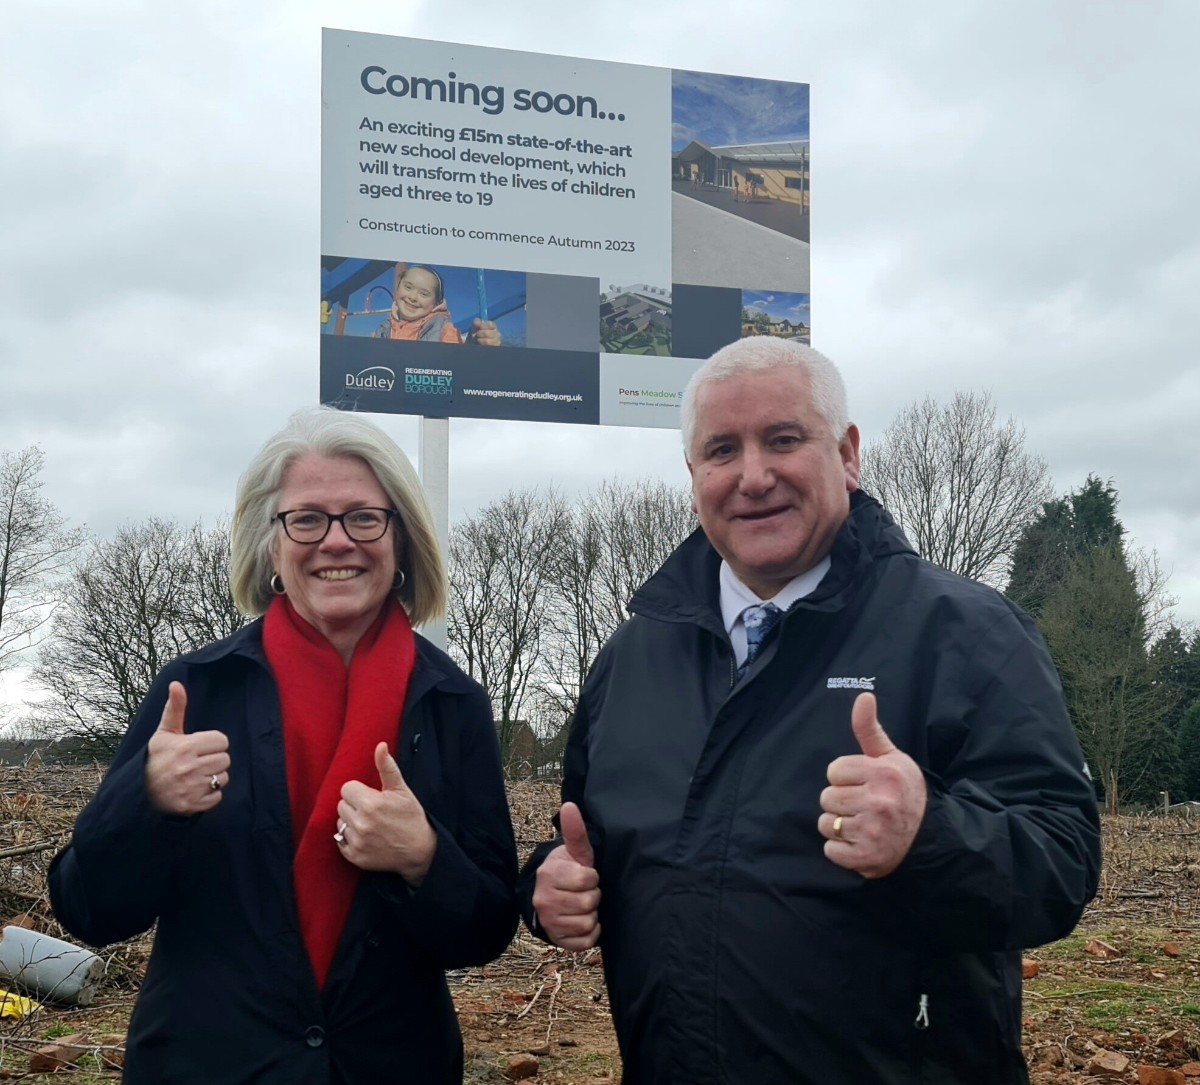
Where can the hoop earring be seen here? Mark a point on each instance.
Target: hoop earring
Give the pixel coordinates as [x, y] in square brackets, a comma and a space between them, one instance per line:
[276, 585]
[398, 580]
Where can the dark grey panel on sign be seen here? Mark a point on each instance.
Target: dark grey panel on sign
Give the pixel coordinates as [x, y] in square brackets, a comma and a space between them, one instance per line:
[445, 380]
[705, 318]
[562, 312]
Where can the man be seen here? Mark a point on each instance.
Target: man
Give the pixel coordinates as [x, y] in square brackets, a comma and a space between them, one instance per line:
[819, 864]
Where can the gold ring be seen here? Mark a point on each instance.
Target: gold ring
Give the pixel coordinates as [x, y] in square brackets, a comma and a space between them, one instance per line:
[837, 827]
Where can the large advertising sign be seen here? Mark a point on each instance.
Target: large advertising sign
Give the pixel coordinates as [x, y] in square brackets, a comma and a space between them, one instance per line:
[523, 236]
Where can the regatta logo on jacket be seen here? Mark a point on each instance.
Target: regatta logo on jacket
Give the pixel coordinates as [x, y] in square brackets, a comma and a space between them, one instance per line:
[850, 683]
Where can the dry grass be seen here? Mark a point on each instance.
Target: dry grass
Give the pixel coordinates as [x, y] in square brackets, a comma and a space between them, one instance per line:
[1143, 1002]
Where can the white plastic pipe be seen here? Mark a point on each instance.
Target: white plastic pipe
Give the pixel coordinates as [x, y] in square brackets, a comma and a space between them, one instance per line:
[49, 968]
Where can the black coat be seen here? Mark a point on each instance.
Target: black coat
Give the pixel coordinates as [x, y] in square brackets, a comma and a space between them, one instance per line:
[229, 994]
[735, 952]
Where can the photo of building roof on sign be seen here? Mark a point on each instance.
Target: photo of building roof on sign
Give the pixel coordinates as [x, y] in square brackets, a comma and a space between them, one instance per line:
[740, 181]
[635, 319]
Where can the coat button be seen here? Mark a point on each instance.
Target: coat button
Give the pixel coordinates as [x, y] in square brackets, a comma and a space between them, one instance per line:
[373, 941]
[314, 1036]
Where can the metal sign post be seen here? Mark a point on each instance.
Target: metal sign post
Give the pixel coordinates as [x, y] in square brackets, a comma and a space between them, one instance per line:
[433, 463]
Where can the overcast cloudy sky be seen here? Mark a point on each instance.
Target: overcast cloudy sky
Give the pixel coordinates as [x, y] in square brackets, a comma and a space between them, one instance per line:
[1006, 198]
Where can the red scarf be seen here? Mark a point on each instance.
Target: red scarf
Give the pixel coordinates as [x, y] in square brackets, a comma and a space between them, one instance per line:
[333, 719]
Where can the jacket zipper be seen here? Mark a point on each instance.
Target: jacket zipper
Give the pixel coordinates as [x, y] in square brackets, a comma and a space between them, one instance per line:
[922, 1021]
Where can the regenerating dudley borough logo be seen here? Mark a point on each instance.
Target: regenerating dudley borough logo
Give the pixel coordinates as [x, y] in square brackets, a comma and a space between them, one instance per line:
[429, 382]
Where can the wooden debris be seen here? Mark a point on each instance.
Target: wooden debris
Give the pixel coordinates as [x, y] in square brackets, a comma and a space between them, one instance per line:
[30, 849]
[1173, 1040]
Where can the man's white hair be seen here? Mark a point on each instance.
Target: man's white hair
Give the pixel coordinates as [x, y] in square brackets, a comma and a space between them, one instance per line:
[757, 353]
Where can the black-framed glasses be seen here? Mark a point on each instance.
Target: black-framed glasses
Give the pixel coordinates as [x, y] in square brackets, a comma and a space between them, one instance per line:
[312, 525]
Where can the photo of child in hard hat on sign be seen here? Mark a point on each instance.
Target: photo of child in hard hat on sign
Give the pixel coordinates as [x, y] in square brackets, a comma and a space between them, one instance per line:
[418, 302]
[419, 311]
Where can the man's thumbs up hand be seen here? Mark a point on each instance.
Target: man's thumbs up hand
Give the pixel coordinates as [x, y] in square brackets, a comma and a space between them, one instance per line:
[875, 800]
[385, 828]
[566, 896]
[574, 834]
[864, 722]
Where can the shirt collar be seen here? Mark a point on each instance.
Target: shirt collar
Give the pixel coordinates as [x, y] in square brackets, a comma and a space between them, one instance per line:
[736, 597]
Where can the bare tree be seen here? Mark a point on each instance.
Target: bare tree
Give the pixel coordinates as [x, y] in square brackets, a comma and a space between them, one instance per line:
[498, 597]
[619, 535]
[36, 546]
[151, 593]
[960, 484]
[211, 613]
[537, 587]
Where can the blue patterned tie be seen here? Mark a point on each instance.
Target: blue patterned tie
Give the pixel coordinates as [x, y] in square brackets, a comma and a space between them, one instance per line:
[759, 621]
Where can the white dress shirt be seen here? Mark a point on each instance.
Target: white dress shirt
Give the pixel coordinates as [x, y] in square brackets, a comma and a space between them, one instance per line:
[736, 598]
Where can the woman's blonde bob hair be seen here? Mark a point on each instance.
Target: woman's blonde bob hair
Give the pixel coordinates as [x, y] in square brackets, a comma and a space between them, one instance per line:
[323, 431]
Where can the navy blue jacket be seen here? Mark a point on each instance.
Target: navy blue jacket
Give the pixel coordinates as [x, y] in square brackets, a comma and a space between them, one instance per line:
[735, 952]
[229, 994]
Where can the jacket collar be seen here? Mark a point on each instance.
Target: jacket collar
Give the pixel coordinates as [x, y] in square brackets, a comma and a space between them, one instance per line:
[433, 667]
[246, 642]
[686, 588]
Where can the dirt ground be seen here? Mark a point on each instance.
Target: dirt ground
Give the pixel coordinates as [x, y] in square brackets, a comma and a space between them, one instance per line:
[1119, 996]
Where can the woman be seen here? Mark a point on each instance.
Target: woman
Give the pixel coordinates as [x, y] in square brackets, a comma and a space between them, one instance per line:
[312, 809]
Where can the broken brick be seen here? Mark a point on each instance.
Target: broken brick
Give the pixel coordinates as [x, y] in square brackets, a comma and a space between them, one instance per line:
[1159, 1075]
[63, 1052]
[1108, 1064]
[521, 1066]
